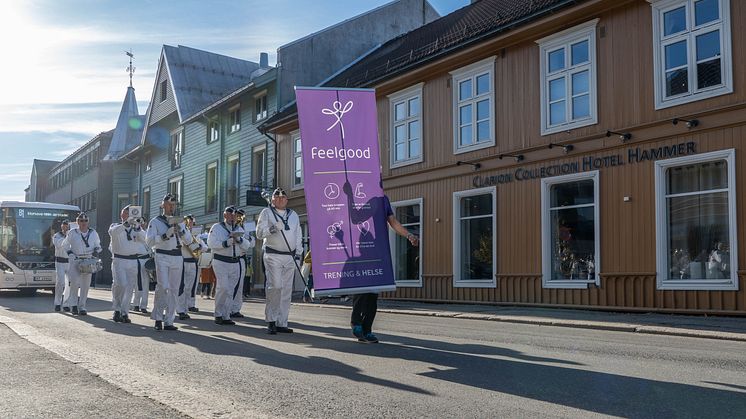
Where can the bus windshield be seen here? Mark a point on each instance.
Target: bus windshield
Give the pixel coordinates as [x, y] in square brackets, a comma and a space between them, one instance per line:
[26, 233]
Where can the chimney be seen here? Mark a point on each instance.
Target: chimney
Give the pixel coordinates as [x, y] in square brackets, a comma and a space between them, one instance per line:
[263, 60]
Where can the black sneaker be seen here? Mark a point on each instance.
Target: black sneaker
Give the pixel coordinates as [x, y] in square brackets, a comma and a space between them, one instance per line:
[66, 309]
[227, 322]
[370, 338]
[183, 316]
[75, 310]
[271, 328]
[158, 325]
[126, 319]
[193, 309]
[170, 327]
[136, 309]
[144, 311]
[83, 313]
[237, 315]
[57, 308]
[281, 329]
[117, 317]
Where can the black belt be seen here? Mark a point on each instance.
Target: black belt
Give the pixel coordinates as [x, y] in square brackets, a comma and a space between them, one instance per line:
[60, 260]
[131, 257]
[228, 259]
[192, 260]
[278, 252]
[175, 252]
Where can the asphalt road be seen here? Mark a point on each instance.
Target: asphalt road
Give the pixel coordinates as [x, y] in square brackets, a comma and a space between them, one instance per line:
[424, 367]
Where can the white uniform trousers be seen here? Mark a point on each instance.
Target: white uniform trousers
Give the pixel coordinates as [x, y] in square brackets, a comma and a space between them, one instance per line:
[280, 271]
[227, 275]
[238, 291]
[168, 272]
[79, 283]
[187, 287]
[61, 289]
[124, 276]
[141, 286]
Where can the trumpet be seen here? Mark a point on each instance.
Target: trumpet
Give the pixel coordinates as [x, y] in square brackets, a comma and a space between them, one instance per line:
[197, 251]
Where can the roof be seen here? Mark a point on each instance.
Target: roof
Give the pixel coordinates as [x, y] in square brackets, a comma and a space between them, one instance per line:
[128, 131]
[199, 78]
[473, 23]
[100, 137]
[44, 166]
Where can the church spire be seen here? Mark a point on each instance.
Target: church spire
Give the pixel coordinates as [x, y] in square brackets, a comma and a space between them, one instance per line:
[130, 69]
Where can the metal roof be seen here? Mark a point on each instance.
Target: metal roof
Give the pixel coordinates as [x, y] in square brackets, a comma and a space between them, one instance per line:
[128, 132]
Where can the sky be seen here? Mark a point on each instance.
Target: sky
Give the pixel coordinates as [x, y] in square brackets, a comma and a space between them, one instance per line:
[63, 71]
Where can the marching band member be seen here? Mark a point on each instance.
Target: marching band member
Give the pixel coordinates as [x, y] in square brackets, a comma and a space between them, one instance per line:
[188, 287]
[125, 246]
[226, 239]
[81, 242]
[61, 264]
[166, 239]
[279, 227]
[238, 292]
[142, 287]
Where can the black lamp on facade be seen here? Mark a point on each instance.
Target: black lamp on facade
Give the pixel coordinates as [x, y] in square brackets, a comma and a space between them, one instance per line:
[690, 123]
[624, 136]
[567, 147]
[476, 165]
[517, 157]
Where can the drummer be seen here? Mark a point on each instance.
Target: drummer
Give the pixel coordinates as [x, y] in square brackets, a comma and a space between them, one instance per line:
[84, 247]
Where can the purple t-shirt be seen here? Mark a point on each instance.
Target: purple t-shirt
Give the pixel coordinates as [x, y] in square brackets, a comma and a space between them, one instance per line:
[387, 207]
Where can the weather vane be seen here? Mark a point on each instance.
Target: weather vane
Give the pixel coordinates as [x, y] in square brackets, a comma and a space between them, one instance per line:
[130, 69]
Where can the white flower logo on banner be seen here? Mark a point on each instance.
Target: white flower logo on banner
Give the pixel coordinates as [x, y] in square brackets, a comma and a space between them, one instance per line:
[338, 112]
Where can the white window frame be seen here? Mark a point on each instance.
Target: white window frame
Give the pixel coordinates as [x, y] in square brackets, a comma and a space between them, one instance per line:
[213, 135]
[412, 283]
[179, 180]
[265, 174]
[177, 148]
[294, 136]
[661, 221]
[228, 181]
[212, 166]
[404, 96]
[564, 39]
[473, 283]
[659, 7]
[235, 118]
[546, 232]
[471, 72]
[261, 112]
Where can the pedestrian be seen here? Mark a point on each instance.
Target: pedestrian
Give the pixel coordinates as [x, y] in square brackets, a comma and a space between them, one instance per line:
[83, 248]
[125, 265]
[365, 306]
[166, 234]
[238, 293]
[279, 227]
[61, 265]
[307, 273]
[226, 240]
[188, 285]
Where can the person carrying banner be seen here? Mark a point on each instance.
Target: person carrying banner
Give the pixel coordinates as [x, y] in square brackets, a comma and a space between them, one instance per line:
[82, 243]
[61, 286]
[244, 254]
[226, 240]
[365, 306]
[188, 286]
[166, 236]
[125, 267]
[279, 227]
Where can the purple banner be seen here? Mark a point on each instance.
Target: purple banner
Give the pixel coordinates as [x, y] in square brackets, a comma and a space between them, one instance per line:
[341, 177]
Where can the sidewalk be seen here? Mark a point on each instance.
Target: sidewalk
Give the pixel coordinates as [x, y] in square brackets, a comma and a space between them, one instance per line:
[707, 327]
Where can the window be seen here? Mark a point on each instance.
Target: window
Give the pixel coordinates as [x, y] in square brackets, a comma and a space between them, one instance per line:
[235, 118]
[213, 131]
[123, 200]
[407, 259]
[474, 228]
[259, 166]
[568, 79]
[692, 50]
[177, 148]
[164, 90]
[211, 188]
[696, 222]
[473, 98]
[175, 187]
[148, 162]
[233, 180]
[260, 107]
[146, 202]
[406, 126]
[570, 231]
[297, 160]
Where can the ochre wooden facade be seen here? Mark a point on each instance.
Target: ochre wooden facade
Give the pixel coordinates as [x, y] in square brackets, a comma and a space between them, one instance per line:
[624, 51]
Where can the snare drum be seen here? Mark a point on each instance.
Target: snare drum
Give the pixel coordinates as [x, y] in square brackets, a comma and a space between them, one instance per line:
[90, 265]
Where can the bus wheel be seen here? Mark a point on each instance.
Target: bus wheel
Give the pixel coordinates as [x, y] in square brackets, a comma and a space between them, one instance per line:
[28, 292]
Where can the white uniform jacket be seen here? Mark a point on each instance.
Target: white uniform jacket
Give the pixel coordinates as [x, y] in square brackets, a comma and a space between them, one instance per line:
[161, 237]
[219, 243]
[270, 227]
[126, 240]
[60, 250]
[82, 244]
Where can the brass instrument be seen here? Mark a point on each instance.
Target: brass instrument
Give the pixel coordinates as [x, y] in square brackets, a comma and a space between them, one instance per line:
[194, 252]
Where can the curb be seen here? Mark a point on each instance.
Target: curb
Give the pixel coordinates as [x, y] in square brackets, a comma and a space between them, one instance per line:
[577, 324]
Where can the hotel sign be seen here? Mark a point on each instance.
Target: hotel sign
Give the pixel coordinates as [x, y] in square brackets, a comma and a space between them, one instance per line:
[632, 155]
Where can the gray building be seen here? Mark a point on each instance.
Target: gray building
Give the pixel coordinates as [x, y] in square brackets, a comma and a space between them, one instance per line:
[39, 179]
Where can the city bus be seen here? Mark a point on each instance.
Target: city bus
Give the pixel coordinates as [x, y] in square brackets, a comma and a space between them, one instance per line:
[26, 248]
